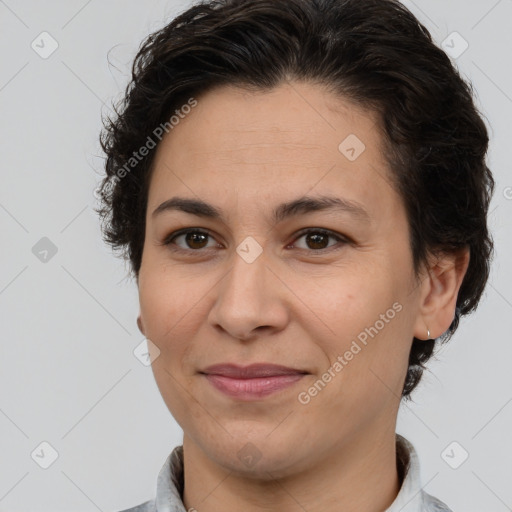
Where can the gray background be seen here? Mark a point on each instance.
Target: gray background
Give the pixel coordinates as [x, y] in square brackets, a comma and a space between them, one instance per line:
[68, 373]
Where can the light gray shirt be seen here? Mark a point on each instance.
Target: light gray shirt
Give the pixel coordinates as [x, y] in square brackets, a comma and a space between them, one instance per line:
[411, 498]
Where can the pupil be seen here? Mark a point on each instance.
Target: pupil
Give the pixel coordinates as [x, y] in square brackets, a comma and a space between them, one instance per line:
[191, 237]
[316, 238]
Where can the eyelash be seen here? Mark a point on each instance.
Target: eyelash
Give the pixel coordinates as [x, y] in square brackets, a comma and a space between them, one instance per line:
[169, 240]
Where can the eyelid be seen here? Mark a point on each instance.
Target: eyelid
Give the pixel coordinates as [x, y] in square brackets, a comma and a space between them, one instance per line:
[341, 239]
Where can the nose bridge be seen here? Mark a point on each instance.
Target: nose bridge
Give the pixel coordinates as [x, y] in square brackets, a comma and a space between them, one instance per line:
[247, 297]
[245, 282]
[249, 259]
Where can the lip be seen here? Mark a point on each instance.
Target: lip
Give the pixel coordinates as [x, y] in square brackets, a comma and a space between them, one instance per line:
[251, 382]
[251, 371]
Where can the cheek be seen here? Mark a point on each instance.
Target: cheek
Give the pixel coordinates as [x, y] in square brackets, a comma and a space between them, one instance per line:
[369, 327]
[165, 302]
[173, 308]
[350, 304]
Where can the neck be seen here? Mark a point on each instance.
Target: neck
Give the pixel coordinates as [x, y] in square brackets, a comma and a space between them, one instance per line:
[360, 476]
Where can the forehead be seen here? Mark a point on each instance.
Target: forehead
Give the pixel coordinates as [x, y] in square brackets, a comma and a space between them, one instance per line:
[293, 140]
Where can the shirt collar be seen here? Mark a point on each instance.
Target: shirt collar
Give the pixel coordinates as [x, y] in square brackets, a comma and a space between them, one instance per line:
[411, 497]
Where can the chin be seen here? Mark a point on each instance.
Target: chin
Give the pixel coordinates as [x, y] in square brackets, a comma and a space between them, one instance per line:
[260, 457]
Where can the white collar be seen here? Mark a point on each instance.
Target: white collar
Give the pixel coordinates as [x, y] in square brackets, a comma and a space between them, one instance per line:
[412, 497]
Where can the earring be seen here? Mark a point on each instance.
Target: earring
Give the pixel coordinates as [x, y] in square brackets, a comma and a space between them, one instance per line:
[428, 333]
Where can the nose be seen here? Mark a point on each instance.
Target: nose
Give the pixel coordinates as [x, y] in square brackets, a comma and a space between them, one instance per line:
[250, 299]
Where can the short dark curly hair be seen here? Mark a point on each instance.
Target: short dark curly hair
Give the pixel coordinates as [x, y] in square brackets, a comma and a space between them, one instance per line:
[374, 53]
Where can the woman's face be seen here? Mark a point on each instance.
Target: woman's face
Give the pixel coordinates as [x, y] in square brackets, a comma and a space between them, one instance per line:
[257, 289]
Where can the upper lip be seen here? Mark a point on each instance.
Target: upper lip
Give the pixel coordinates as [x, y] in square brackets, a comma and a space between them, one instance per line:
[251, 371]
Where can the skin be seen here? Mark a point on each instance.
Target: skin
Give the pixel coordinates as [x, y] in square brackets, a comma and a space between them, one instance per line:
[298, 304]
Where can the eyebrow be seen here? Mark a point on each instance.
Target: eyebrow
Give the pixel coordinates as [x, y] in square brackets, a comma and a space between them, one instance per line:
[300, 206]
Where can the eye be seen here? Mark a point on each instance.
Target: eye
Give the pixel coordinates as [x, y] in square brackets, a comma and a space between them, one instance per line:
[196, 239]
[316, 238]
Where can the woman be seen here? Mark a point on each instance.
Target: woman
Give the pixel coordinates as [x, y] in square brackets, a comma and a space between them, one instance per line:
[301, 190]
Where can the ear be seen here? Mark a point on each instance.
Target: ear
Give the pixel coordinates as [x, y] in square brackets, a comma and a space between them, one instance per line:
[139, 325]
[439, 291]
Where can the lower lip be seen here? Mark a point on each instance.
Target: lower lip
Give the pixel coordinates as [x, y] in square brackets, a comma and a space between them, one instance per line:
[251, 389]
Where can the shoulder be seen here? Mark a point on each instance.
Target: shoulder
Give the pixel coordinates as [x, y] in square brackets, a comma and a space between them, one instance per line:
[432, 504]
[147, 506]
